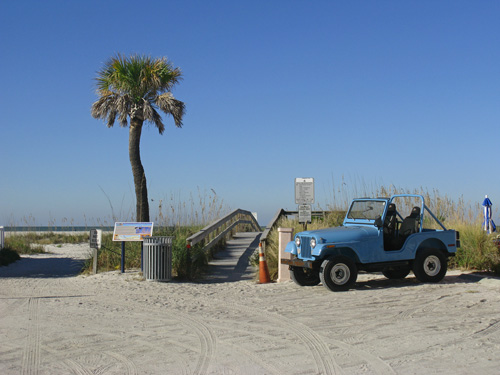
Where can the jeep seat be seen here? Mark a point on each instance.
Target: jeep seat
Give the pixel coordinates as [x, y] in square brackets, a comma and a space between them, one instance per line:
[409, 225]
[390, 227]
[390, 221]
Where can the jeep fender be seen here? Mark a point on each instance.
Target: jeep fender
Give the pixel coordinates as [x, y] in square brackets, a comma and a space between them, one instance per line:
[336, 251]
[432, 243]
[291, 248]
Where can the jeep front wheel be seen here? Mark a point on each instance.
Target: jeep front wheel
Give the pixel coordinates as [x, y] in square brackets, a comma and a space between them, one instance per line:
[430, 266]
[338, 273]
[305, 276]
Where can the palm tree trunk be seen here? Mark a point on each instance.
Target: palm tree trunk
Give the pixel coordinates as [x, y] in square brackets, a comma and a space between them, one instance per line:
[141, 191]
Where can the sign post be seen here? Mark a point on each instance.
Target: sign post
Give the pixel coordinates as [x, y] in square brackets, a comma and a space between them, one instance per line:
[304, 197]
[131, 232]
[304, 191]
[305, 213]
[95, 244]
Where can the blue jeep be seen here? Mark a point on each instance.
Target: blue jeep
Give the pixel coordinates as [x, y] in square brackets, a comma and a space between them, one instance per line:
[374, 237]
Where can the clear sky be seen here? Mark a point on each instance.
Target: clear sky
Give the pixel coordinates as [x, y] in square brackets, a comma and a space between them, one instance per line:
[380, 92]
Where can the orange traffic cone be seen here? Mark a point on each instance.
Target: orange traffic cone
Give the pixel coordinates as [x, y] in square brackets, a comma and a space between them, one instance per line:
[263, 271]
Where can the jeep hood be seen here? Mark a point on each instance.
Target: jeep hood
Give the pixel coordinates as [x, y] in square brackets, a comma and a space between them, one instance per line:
[342, 234]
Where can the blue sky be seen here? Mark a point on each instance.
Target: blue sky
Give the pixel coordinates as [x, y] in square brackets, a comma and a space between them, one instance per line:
[380, 92]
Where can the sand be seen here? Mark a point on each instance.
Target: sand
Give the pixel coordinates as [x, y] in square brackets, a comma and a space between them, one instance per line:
[52, 322]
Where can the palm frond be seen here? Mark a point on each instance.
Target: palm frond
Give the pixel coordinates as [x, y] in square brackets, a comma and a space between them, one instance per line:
[152, 115]
[171, 106]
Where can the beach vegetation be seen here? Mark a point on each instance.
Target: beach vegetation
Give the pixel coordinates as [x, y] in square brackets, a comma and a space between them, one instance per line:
[133, 89]
[32, 242]
[23, 244]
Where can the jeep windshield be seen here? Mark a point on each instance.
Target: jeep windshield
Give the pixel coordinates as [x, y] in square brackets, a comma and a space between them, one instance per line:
[366, 210]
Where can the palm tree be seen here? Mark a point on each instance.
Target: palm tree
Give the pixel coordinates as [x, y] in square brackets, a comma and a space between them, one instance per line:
[135, 88]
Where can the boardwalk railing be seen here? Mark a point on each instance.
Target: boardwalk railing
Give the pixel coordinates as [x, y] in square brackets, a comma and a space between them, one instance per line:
[214, 232]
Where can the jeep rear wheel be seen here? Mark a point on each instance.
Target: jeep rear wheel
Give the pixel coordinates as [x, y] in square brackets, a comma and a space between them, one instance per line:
[305, 276]
[338, 273]
[430, 266]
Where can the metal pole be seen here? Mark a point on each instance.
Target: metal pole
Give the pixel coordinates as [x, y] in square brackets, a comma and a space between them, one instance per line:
[123, 256]
[142, 256]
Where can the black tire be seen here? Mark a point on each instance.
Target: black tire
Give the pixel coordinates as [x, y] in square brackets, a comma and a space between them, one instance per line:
[305, 276]
[430, 266]
[338, 273]
[394, 274]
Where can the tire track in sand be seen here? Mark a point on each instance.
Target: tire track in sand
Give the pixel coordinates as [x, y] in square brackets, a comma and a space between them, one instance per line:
[490, 329]
[31, 357]
[31, 354]
[207, 338]
[320, 350]
[323, 359]
[315, 342]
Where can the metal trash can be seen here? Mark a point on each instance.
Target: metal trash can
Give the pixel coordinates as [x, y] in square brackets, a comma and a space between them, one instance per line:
[157, 258]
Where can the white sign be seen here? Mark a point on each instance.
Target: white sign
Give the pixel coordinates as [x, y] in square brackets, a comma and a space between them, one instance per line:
[305, 213]
[95, 238]
[304, 190]
[132, 231]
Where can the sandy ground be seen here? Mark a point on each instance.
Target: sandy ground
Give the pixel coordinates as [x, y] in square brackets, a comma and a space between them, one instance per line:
[52, 322]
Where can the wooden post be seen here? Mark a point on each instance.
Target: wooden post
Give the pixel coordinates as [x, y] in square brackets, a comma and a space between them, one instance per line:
[285, 236]
[94, 266]
[95, 237]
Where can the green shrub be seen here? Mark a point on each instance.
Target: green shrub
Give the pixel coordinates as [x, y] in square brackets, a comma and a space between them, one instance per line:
[23, 244]
[477, 251]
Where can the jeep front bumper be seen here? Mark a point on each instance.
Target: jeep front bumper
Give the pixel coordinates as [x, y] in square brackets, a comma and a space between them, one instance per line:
[297, 263]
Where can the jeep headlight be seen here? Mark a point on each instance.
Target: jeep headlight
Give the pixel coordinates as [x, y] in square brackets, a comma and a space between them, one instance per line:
[313, 243]
[297, 241]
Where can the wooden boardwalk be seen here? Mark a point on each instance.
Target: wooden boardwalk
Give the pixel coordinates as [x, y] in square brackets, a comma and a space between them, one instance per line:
[232, 263]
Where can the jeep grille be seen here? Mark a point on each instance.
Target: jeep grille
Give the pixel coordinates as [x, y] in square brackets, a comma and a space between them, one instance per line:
[305, 247]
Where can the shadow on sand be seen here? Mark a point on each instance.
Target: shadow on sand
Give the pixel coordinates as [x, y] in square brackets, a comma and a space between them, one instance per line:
[34, 267]
[412, 281]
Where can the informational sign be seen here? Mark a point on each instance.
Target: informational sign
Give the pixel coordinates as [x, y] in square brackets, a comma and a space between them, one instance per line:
[95, 238]
[305, 213]
[132, 231]
[304, 190]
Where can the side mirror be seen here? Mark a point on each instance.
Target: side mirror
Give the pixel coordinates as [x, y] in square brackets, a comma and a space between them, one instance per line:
[378, 222]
